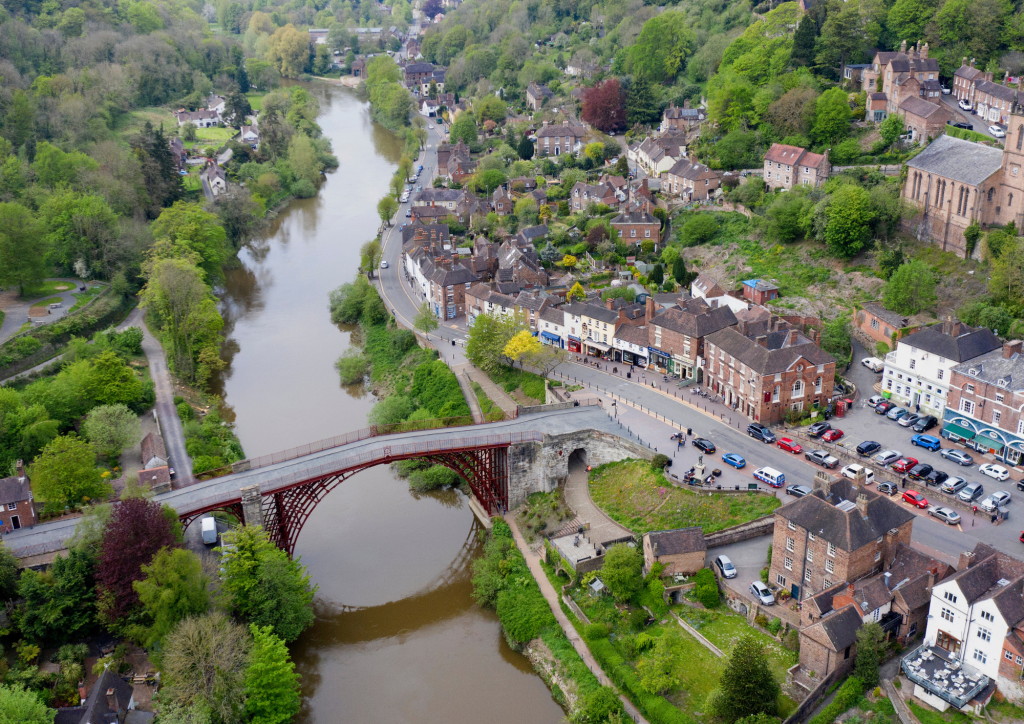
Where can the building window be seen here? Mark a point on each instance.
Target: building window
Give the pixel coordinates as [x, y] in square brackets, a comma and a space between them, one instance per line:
[791, 526]
[878, 556]
[12, 506]
[996, 417]
[810, 536]
[807, 575]
[913, 362]
[830, 566]
[1019, 660]
[969, 389]
[790, 544]
[947, 614]
[1008, 655]
[967, 406]
[828, 584]
[810, 555]
[798, 388]
[874, 324]
[789, 564]
[780, 579]
[913, 629]
[980, 656]
[949, 597]
[999, 397]
[941, 372]
[775, 393]
[987, 616]
[984, 634]
[832, 549]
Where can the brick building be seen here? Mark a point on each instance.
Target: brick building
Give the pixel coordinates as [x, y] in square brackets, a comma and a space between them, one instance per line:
[983, 409]
[828, 645]
[924, 119]
[636, 227]
[765, 369]
[879, 323]
[789, 166]
[16, 508]
[554, 140]
[536, 95]
[841, 532]
[676, 335]
[583, 194]
[690, 180]
[682, 119]
[993, 102]
[681, 551]
[760, 291]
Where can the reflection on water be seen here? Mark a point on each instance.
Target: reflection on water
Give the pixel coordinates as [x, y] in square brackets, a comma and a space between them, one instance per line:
[397, 636]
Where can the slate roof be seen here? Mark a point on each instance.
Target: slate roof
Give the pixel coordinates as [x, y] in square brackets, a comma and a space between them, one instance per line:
[1000, 91]
[921, 107]
[1010, 602]
[596, 311]
[439, 232]
[689, 114]
[848, 530]
[959, 160]
[553, 315]
[539, 91]
[440, 195]
[793, 156]
[634, 217]
[708, 286]
[529, 300]
[153, 447]
[155, 477]
[457, 274]
[417, 68]
[871, 593]
[533, 232]
[14, 489]
[891, 318]
[838, 630]
[633, 335]
[878, 96]
[995, 369]
[981, 581]
[966, 71]
[966, 345]
[96, 709]
[695, 318]
[907, 64]
[677, 541]
[779, 355]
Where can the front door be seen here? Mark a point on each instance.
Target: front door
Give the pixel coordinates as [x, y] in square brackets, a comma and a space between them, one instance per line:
[795, 590]
[15, 522]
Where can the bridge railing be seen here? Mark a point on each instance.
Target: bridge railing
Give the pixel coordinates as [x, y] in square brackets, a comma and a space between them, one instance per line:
[403, 450]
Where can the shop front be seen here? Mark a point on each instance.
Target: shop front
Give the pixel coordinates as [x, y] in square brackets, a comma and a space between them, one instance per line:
[661, 360]
[574, 344]
[634, 358]
[552, 339]
[597, 349]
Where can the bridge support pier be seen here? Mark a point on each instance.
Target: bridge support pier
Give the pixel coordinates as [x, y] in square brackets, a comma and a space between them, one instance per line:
[252, 505]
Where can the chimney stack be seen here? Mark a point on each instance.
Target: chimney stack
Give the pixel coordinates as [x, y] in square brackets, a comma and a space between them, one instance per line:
[862, 505]
[111, 700]
[686, 103]
[1011, 348]
[972, 62]
[965, 561]
[924, 50]
[20, 469]
[903, 46]
[792, 337]
[964, 61]
[762, 340]
[888, 576]
[649, 310]
[823, 482]
[849, 590]
[608, 303]
[931, 578]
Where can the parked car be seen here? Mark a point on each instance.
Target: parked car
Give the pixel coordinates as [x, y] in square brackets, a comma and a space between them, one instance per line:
[935, 478]
[705, 446]
[873, 363]
[760, 432]
[832, 435]
[897, 412]
[725, 567]
[821, 457]
[946, 515]
[907, 420]
[883, 408]
[915, 499]
[904, 464]
[997, 132]
[888, 457]
[952, 486]
[960, 124]
[994, 471]
[761, 593]
[789, 445]
[928, 442]
[889, 489]
[798, 491]
[408, 213]
[920, 471]
[875, 400]
[1020, 485]
[957, 456]
[384, 264]
[818, 429]
[735, 460]
[997, 500]
[851, 471]
[868, 447]
[925, 423]
[965, 105]
[946, 91]
[971, 492]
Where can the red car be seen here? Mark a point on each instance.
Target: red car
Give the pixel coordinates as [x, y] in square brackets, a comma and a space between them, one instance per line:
[832, 435]
[915, 499]
[904, 464]
[786, 444]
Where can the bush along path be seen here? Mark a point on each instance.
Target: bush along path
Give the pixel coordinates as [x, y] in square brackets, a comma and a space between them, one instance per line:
[522, 616]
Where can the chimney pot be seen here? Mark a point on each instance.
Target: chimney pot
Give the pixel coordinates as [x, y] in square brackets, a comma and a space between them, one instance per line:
[1011, 348]
[20, 468]
[862, 505]
[849, 589]
[965, 560]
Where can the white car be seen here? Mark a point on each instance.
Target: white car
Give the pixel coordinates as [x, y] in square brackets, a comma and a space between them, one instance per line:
[760, 591]
[383, 265]
[994, 471]
[888, 457]
[996, 500]
[431, 127]
[997, 132]
[850, 471]
[964, 104]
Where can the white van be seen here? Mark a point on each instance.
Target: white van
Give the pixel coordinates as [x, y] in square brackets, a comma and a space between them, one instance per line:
[209, 531]
[771, 476]
[873, 363]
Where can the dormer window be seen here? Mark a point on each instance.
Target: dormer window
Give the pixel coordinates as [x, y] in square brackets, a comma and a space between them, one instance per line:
[972, 372]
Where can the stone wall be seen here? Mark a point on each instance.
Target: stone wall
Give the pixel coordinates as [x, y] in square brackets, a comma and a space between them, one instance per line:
[744, 531]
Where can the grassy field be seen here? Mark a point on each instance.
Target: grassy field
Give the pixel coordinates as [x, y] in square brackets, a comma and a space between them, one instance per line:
[526, 388]
[642, 500]
[256, 100]
[155, 115]
[48, 288]
[85, 297]
[491, 412]
[43, 303]
[192, 182]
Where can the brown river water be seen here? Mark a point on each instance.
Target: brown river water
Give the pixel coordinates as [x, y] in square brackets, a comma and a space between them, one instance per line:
[397, 636]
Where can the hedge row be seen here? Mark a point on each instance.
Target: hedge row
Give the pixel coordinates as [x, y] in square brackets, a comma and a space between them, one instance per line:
[655, 708]
[846, 697]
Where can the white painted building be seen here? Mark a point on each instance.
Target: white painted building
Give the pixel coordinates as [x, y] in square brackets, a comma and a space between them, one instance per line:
[917, 372]
[706, 288]
[551, 327]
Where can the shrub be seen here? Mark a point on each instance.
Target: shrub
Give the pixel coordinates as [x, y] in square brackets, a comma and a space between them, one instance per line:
[637, 619]
[704, 577]
[764, 576]
[599, 705]
[25, 346]
[303, 189]
[352, 366]
[185, 411]
[594, 631]
[699, 229]
[792, 640]
[774, 626]
[761, 620]
[434, 478]
[847, 696]
[708, 595]
[659, 462]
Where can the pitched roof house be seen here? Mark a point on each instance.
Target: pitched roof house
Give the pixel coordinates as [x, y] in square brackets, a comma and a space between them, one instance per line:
[681, 551]
[789, 166]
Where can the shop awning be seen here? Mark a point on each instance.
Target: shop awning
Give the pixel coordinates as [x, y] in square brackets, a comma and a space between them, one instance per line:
[551, 336]
[574, 339]
[598, 345]
[951, 430]
[988, 443]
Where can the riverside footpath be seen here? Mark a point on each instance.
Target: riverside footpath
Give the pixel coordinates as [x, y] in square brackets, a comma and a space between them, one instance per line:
[551, 596]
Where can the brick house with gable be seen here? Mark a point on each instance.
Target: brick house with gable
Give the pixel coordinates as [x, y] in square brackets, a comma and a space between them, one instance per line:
[765, 369]
[681, 551]
[16, 507]
[554, 140]
[636, 227]
[924, 119]
[789, 166]
[879, 323]
[536, 95]
[691, 180]
[676, 335]
[682, 119]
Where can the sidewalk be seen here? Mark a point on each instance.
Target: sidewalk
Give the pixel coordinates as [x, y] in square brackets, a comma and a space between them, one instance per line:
[577, 496]
[498, 396]
[551, 596]
[468, 393]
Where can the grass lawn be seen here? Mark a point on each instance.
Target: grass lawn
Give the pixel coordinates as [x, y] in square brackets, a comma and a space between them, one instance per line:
[492, 413]
[83, 298]
[642, 500]
[698, 670]
[1005, 712]
[529, 385]
[930, 716]
[256, 100]
[48, 288]
[192, 182]
[43, 303]
[156, 115]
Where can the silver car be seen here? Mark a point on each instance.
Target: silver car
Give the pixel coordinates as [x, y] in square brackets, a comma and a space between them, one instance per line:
[760, 591]
[946, 515]
[953, 485]
[897, 412]
[888, 457]
[996, 500]
[957, 456]
[909, 419]
[725, 567]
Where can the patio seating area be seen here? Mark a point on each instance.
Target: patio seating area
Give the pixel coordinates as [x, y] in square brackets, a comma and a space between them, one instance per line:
[942, 674]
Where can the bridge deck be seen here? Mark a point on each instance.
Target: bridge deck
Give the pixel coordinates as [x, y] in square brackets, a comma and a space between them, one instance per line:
[200, 495]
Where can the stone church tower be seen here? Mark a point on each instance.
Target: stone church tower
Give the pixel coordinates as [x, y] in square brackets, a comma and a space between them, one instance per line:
[1011, 188]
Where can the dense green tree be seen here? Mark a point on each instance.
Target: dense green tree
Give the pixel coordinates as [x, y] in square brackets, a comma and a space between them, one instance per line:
[59, 604]
[159, 169]
[889, 260]
[266, 587]
[831, 116]
[891, 128]
[785, 216]
[237, 109]
[525, 148]
[870, 646]
[907, 19]
[22, 248]
[657, 668]
[369, 256]
[111, 382]
[271, 683]
[242, 78]
[910, 289]
[748, 687]
[641, 107]
[79, 227]
[835, 339]
[19, 706]
[1006, 283]
[65, 473]
[425, 320]
[680, 273]
[490, 108]
[699, 228]
[664, 44]
[54, 168]
[187, 231]
[849, 215]
[387, 207]
[487, 339]
[622, 571]
[174, 588]
[464, 129]
[657, 274]
[112, 429]
[841, 36]
[803, 41]
[9, 574]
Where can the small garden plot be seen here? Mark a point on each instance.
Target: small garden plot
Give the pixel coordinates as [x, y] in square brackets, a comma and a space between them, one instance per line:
[526, 388]
[542, 513]
[643, 500]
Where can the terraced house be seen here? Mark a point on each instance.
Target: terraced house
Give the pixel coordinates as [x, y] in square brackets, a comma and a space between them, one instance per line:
[789, 166]
[676, 336]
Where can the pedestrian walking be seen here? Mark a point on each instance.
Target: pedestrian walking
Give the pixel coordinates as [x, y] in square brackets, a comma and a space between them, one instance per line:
[903, 482]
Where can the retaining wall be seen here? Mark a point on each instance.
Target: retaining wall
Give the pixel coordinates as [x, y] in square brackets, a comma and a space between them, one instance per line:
[744, 531]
